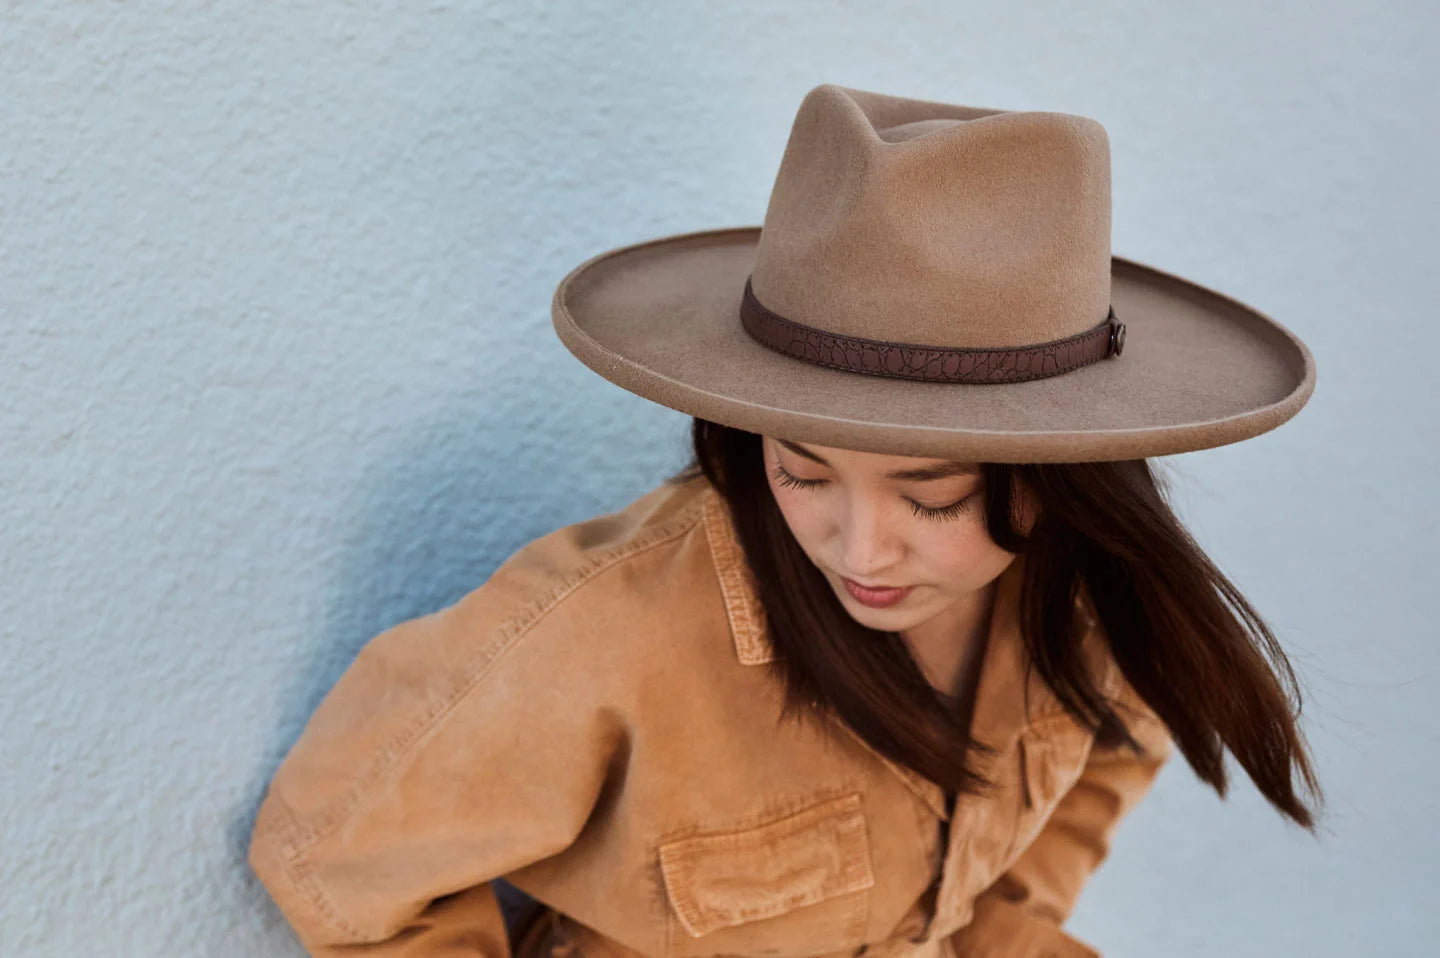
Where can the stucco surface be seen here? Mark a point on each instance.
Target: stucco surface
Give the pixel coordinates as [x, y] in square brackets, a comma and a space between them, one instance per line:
[278, 372]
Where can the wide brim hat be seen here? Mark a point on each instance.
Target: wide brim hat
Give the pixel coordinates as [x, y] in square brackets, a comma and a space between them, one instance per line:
[934, 280]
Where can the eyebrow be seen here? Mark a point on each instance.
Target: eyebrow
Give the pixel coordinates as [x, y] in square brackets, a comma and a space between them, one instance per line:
[944, 470]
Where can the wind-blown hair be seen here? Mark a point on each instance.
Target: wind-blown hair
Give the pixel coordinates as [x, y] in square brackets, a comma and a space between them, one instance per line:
[1184, 637]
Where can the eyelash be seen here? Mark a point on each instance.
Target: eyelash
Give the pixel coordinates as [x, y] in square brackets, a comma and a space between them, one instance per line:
[952, 511]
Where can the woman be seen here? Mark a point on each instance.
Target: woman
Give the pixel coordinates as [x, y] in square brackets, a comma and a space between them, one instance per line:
[879, 672]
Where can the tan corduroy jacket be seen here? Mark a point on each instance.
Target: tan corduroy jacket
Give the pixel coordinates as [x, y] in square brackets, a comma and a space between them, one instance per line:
[596, 725]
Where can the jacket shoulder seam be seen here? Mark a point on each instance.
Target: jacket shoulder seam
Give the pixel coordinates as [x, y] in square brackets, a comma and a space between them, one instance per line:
[503, 637]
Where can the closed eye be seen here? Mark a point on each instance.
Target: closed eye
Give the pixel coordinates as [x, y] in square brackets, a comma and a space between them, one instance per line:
[952, 511]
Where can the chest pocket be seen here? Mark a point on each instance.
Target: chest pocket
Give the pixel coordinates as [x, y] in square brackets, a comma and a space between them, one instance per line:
[1052, 756]
[795, 885]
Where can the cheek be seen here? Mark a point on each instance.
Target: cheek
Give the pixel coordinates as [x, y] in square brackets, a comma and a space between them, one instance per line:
[808, 524]
[965, 554]
[799, 512]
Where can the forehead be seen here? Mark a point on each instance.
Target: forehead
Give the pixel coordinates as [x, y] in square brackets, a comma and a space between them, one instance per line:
[897, 467]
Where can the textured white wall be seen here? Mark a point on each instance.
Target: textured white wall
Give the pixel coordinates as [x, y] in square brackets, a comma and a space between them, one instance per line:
[278, 372]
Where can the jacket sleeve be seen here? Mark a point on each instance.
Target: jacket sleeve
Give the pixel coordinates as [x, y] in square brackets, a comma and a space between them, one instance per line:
[1019, 916]
[458, 747]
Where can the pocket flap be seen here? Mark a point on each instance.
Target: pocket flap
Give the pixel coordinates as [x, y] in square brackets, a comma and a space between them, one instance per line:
[720, 879]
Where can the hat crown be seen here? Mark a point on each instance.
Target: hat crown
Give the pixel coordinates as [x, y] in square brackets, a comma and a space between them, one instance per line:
[912, 221]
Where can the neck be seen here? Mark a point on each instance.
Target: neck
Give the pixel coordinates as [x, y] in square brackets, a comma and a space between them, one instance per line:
[949, 652]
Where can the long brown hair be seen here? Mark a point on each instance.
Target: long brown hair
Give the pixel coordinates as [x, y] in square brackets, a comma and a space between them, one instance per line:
[1183, 636]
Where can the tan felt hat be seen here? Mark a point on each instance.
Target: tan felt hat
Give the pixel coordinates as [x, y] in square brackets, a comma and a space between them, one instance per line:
[934, 280]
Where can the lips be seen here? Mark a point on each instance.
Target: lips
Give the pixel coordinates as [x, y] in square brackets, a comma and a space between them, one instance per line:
[875, 598]
[872, 588]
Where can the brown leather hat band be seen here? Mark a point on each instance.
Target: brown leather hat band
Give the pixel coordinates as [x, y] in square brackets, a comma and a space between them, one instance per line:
[935, 363]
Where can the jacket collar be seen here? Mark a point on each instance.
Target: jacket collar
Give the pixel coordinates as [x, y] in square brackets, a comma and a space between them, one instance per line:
[1008, 697]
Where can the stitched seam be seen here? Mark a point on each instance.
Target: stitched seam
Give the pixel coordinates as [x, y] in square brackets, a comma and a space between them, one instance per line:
[301, 837]
[281, 821]
[506, 634]
[840, 818]
[743, 614]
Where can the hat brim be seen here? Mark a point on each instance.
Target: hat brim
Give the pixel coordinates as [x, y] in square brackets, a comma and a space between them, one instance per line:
[661, 319]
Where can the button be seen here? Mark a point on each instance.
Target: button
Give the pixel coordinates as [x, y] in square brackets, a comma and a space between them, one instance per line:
[1117, 338]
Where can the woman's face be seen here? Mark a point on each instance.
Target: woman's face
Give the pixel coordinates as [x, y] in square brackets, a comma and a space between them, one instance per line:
[860, 522]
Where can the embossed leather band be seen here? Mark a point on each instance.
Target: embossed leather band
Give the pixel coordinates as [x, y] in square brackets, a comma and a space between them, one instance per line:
[933, 363]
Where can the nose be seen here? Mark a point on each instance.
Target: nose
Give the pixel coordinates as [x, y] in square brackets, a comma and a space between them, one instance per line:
[869, 547]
